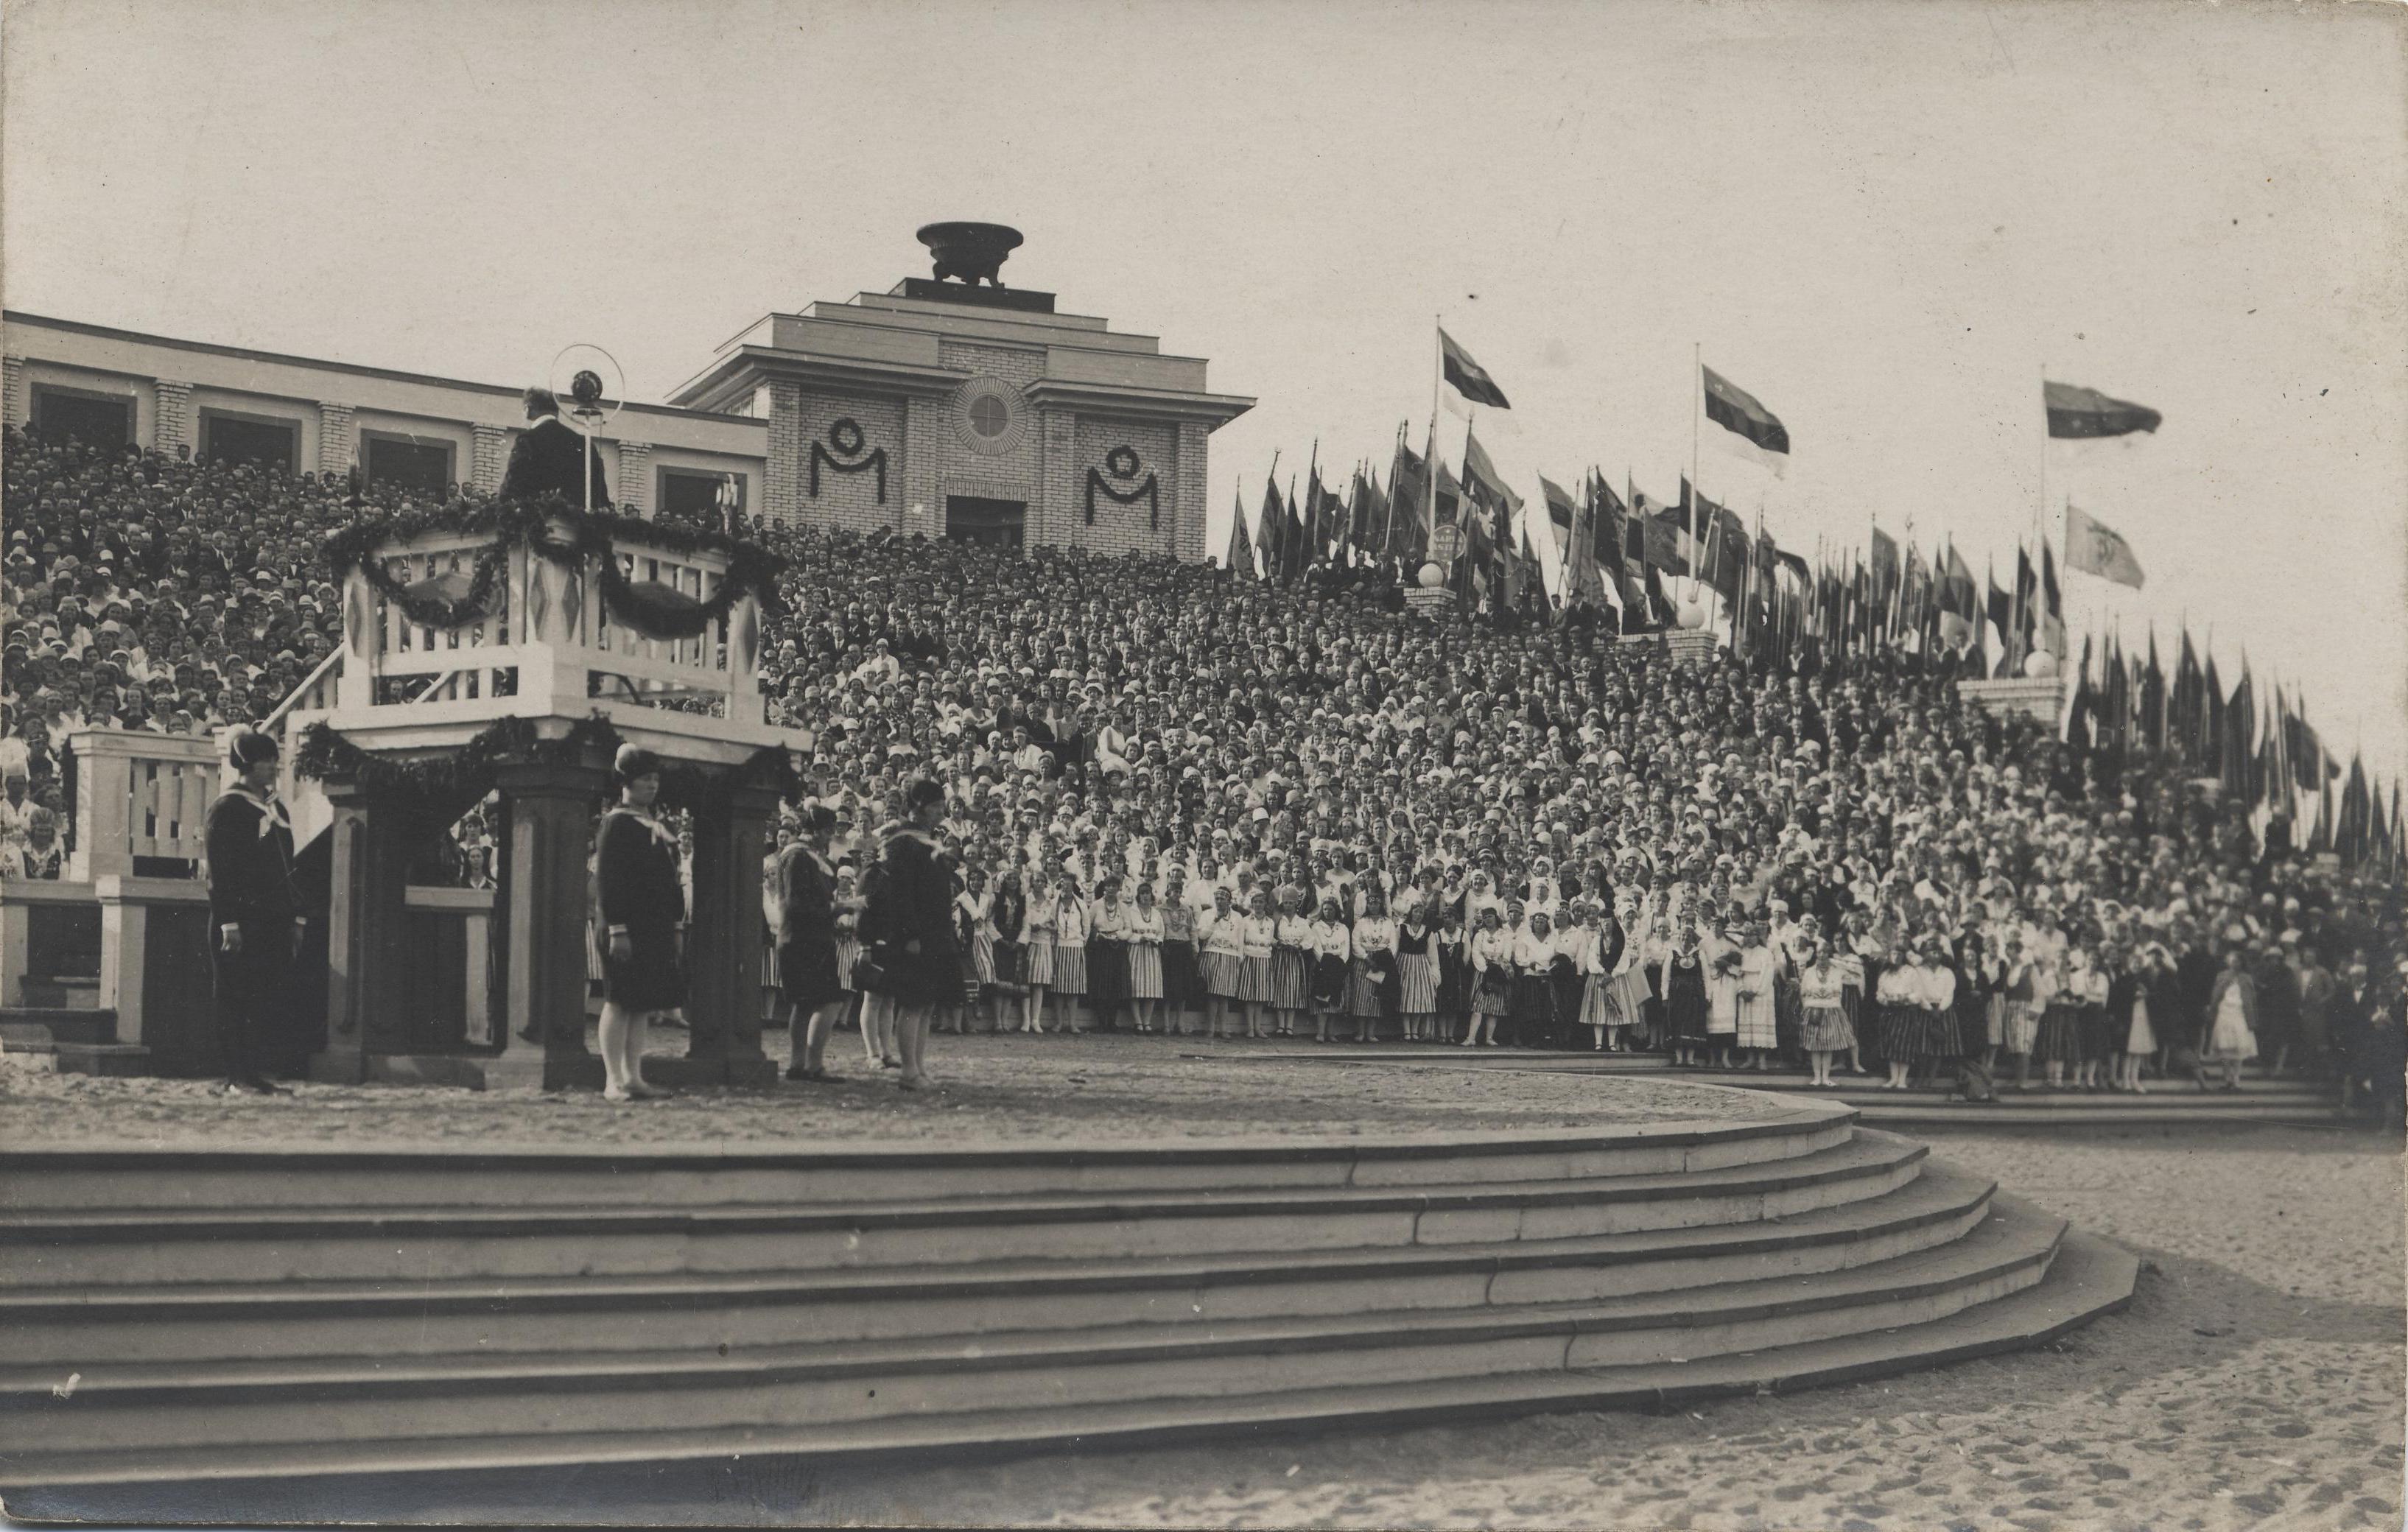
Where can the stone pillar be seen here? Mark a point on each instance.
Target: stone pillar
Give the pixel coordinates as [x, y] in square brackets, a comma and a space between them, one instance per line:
[368, 948]
[548, 890]
[724, 945]
[923, 451]
[339, 446]
[1054, 517]
[171, 424]
[635, 476]
[15, 408]
[491, 455]
[125, 952]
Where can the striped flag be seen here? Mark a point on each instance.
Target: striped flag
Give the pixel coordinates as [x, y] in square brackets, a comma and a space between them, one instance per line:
[1736, 410]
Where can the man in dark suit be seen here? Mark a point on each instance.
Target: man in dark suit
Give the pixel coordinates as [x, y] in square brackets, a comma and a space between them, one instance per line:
[254, 913]
[545, 459]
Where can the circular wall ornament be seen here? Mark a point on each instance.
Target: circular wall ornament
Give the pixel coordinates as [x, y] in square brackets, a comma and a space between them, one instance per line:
[1121, 462]
[845, 437]
[989, 416]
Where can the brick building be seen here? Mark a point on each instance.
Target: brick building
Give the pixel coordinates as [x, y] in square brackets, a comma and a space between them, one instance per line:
[948, 408]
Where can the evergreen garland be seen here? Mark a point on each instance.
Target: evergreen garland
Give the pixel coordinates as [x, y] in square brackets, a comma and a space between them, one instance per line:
[751, 570]
[452, 781]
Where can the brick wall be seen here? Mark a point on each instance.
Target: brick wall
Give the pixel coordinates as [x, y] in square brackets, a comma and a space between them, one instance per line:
[848, 500]
[14, 405]
[172, 426]
[782, 471]
[1188, 542]
[633, 483]
[1120, 528]
[491, 456]
[338, 444]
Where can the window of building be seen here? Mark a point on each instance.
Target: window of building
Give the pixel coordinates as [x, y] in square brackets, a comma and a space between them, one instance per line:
[73, 414]
[989, 417]
[407, 463]
[694, 493]
[260, 439]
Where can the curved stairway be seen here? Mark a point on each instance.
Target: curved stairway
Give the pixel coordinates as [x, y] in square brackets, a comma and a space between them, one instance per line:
[169, 1316]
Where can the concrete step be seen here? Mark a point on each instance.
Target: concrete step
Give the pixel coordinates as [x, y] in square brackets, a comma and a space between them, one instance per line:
[249, 1404]
[372, 1176]
[75, 1250]
[131, 1324]
[116, 1060]
[61, 993]
[23, 1026]
[328, 1481]
[1968, 1115]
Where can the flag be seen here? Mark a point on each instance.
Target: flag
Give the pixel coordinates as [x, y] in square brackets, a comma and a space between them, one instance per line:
[1469, 377]
[2186, 708]
[2052, 613]
[1408, 505]
[1240, 555]
[1736, 410]
[1665, 531]
[1727, 550]
[2095, 548]
[2153, 698]
[1960, 614]
[2237, 749]
[1270, 533]
[1479, 475]
[1561, 511]
[1885, 576]
[2002, 614]
[2081, 412]
[1361, 497]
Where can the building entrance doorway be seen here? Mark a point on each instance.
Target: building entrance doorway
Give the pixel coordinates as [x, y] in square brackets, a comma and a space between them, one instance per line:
[990, 524]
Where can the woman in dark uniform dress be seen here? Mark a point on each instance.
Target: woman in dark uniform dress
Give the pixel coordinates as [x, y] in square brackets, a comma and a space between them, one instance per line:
[910, 916]
[642, 924]
[254, 926]
[806, 951]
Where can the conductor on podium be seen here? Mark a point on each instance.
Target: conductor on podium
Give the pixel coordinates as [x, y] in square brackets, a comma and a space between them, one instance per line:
[545, 458]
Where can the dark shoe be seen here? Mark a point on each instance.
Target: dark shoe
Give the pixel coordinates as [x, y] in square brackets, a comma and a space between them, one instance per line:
[245, 1087]
[799, 1073]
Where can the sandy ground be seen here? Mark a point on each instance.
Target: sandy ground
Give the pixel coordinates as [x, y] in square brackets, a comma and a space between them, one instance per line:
[2257, 1379]
[1046, 1088]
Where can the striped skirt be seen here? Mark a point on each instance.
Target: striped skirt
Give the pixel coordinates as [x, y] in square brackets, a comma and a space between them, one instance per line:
[848, 955]
[1917, 1033]
[1417, 983]
[2061, 1036]
[2021, 1026]
[1825, 1029]
[1757, 1027]
[1599, 1007]
[1223, 975]
[1364, 991]
[1291, 979]
[1994, 1021]
[1492, 992]
[1630, 996]
[1255, 987]
[1069, 968]
[982, 957]
[1145, 972]
[1039, 964]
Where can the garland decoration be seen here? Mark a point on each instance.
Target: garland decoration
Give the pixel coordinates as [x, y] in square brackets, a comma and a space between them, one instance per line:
[846, 437]
[449, 784]
[1123, 462]
[751, 570]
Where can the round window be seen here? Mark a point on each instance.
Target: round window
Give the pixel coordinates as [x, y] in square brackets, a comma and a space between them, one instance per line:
[988, 416]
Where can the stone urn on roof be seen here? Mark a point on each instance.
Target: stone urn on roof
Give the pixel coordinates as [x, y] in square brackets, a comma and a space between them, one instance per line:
[970, 251]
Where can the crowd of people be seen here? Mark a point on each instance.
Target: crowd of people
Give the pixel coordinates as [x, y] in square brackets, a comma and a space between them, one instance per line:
[1166, 798]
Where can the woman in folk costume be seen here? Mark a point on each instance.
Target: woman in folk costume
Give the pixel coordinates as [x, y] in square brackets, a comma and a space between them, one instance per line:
[1143, 934]
[1108, 950]
[1327, 946]
[1939, 1042]
[1037, 947]
[1069, 950]
[1492, 977]
[1221, 955]
[1261, 942]
[1565, 985]
[1898, 995]
[2148, 968]
[2099, 1041]
[2023, 994]
[1183, 986]
[806, 949]
[1530, 1022]
[1417, 971]
[1371, 964]
[1452, 945]
[1824, 1028]
[1683, 981]
[641, 921]
[2232, 1021]
[1723, 956]
[254, 911]
[974, 929]
[1009, 915]
[2128, 1005]
[1759, 968]
[1596, 1011]
[2060, 1020]
[1627, 993]
[1298, 983]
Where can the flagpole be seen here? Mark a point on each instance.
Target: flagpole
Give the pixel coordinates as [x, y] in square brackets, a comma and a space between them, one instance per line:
[1430, 469]
[1696, 429]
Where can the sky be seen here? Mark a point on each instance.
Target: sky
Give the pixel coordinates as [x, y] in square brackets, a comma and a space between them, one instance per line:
[1886, 219]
